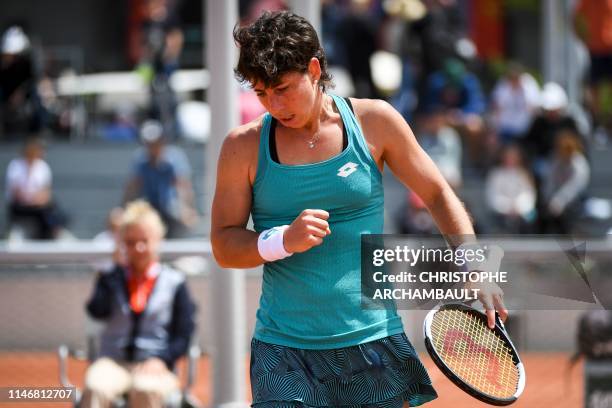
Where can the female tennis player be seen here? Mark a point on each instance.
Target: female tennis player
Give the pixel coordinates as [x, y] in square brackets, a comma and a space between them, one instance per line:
[309, 171]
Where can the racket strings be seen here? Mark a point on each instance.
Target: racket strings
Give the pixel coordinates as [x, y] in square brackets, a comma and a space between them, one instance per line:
[474, 353]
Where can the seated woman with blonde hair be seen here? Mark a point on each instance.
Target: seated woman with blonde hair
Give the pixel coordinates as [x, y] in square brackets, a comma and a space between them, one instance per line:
[149, 318]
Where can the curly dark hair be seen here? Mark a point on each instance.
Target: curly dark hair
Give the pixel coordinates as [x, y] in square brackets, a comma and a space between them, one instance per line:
[277, 43]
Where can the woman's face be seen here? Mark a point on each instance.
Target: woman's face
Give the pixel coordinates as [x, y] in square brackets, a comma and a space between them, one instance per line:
[141, 244]
[291, 100]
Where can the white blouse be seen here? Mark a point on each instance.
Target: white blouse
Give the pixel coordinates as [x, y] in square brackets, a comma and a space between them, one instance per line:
[28, 179]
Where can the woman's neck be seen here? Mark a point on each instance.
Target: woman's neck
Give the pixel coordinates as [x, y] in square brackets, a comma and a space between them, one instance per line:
[322, 109]
[140, 270]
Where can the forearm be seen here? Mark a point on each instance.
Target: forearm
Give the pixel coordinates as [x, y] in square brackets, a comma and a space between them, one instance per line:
[449, 214]
[236, 247]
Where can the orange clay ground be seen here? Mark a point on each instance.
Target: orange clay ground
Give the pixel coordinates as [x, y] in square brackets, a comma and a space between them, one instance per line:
[549, 384]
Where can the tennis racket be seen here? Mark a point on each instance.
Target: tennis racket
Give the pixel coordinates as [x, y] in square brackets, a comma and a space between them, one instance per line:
[481, 361]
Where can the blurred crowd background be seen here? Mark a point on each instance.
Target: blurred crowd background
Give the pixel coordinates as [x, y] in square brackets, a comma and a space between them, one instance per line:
[105, 102]
[102, 103]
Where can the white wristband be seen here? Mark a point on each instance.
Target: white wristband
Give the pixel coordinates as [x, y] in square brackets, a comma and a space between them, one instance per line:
[270, 244]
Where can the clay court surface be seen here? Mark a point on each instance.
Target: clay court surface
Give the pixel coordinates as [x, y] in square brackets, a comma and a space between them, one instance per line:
[548, 381]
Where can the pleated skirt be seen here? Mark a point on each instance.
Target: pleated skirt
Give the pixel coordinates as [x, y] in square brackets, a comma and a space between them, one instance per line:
[382, 373]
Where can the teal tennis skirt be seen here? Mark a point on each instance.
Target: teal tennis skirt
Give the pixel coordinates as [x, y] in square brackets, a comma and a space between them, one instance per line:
[382, 373]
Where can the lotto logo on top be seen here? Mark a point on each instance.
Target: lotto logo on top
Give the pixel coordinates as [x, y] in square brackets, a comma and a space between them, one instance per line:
[348, 169]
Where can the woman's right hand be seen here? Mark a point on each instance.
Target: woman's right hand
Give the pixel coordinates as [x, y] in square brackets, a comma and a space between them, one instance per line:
[306, 231]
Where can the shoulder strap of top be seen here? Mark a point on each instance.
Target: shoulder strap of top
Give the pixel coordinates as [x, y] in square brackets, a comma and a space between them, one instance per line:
[272, 141]
[348, 102]
[262, 156]
[351, 124]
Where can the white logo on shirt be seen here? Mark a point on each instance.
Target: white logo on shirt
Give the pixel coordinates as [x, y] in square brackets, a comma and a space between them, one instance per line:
[348, 169]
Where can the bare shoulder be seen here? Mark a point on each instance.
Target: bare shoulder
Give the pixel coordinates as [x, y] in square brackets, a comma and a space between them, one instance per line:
[240, 147]
[243, 141]
[375, 110]
[380, 122]
[245, 137]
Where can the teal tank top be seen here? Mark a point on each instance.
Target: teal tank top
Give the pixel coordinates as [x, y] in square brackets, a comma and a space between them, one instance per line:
[312, 300]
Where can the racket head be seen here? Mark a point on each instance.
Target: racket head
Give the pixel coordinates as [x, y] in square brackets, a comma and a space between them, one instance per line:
[455, 334]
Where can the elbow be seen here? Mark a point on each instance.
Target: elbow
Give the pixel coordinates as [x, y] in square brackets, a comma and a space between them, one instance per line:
[218, 253]
[222, 262]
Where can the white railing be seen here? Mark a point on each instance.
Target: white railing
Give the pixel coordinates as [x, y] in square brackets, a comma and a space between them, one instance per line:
[51, 252]
[128, 82]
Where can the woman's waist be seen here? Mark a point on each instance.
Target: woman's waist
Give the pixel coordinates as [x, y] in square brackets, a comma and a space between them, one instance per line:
[336, 327]
[314, 291]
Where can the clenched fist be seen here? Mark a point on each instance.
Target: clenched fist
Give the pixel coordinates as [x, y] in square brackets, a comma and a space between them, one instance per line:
[306, 231]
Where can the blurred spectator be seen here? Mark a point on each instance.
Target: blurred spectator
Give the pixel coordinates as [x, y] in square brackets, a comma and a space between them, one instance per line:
[410, 10]
[28, 195]
[113, 222]
[20, 109]
[433, 39]
[511, 193]
[148, 315]
[564, 185]
[515, 99]
[332, 14]
[162, 176]
[439, 32]
[59, 113]
[399, 40]
[553, 118]
[405, 100]
[357, 36]
[161, 43]
[593, 23]
[162, 37]
[443, 144]
[458, 92]
[123, 127]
